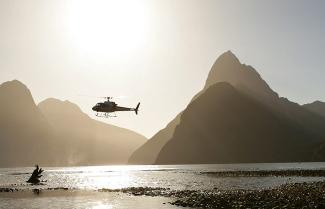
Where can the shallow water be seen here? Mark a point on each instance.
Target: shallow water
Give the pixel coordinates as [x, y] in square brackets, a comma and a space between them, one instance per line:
[171, 176]
[80, 200]
[176, 177]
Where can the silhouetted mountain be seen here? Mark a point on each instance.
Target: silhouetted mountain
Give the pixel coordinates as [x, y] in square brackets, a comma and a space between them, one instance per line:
[317, 107]
[224, 125]
[57, 133]
[24, 132]
[246, 80]
[147, 153]
[87, 141]
[227, 68]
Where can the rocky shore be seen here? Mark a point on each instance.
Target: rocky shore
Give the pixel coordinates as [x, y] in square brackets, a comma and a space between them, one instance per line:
[299, 195]
[264, 173]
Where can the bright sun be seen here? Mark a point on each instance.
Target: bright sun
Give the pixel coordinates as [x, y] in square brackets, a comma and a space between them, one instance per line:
[107, 27]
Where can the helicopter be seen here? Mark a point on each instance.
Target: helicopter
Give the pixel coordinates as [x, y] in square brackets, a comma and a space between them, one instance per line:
[109, 106]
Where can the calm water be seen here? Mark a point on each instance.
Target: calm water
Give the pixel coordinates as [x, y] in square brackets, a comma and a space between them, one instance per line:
[85, 181]
[174, 177]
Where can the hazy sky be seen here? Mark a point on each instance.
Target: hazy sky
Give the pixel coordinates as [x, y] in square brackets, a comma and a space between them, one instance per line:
[158, 52]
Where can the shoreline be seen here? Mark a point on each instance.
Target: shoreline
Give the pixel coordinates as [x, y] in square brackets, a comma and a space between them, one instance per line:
[66, 199]
[267, 173]
[296, 195]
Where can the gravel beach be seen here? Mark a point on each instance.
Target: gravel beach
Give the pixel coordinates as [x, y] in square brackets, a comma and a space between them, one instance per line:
[299, 195]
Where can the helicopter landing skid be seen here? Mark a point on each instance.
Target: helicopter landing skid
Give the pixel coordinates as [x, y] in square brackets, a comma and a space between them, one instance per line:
[106, 115]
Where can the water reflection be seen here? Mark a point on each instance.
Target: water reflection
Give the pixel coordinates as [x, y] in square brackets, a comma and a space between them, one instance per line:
[174, 177]
[102, 206]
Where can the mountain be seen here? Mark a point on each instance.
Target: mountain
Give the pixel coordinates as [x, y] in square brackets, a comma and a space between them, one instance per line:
[227, 68]
[56, 133]
[316, 107]
[246, 80]
[25, 135]
[224, 125]
[147, 153]
[88, 141]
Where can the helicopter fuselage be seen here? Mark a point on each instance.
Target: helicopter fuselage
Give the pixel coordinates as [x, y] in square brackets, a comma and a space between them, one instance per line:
[109, 107]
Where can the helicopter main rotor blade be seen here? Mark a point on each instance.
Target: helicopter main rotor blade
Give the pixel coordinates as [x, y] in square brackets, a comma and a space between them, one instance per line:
[101, 97]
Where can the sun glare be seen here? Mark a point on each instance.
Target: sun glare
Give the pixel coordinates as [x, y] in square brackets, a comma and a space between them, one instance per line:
[107, 27]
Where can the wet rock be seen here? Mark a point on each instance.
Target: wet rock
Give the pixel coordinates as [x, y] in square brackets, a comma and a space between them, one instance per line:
[298, 195]
[36, 175]
[264, 173]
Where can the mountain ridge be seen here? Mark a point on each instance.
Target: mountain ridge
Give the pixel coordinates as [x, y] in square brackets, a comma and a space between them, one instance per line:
[56, 133]
[231, 129]
[228, 68]
[317, 107]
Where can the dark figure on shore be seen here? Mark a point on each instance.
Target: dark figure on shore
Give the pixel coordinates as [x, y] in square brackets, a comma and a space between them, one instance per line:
[36, 175]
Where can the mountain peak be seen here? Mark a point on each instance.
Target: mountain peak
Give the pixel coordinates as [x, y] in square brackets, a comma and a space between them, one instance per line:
[229, 56]
[228, 68]
[15, 93]
[59, 105]
[317, 107]
[317, 102]
[56, 101]
[14, 84]
[225, 68]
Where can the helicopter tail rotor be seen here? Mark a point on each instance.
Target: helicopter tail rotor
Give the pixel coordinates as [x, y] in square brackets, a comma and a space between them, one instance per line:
[137, 108]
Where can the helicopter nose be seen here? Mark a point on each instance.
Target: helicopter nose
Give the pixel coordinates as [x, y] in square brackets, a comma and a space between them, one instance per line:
[94, 108]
